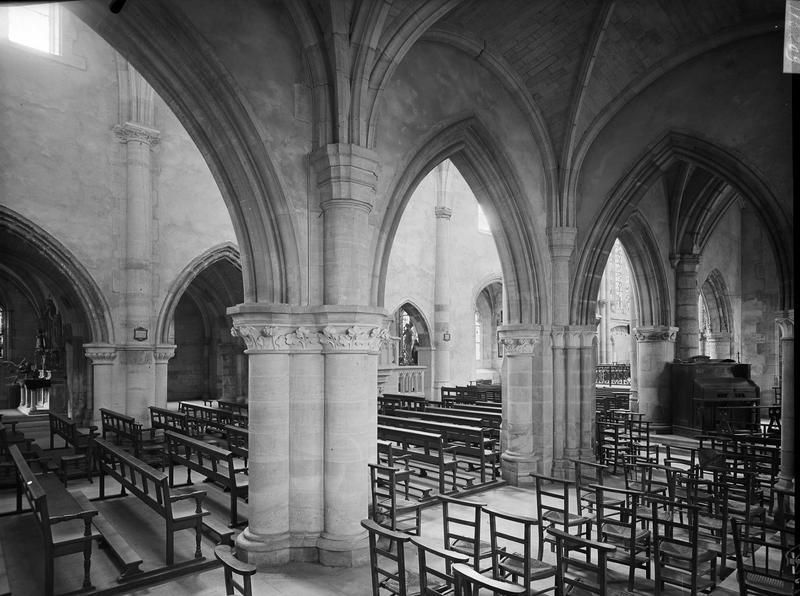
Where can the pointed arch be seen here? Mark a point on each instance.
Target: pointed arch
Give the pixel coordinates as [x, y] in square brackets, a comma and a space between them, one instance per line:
[673, 147]
[715, 293]
[33, 247]
[160, 42]
[223, 253]
[420, 320]
[482, 162]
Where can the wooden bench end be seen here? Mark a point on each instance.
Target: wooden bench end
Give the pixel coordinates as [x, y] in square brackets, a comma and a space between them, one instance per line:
[225, 554]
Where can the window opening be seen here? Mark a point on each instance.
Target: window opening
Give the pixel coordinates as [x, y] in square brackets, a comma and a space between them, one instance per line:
[477, 335]
[36, 26]
[483, 223]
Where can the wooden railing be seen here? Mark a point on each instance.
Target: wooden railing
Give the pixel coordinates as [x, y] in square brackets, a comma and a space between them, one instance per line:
[612, 374]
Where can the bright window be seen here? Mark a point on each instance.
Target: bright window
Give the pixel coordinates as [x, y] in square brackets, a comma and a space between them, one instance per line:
[483, 223]
[36, 26]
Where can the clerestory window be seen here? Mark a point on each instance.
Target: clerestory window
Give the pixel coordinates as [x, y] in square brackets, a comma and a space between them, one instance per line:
[36, 26]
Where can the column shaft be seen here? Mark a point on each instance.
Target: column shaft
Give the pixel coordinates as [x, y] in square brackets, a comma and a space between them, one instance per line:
[656, 349]
[441, 301]
[686, 296]
[787, 472]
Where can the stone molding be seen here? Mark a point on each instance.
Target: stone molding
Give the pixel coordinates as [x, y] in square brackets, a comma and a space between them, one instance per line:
[785, 322]
[442, 212]
[100, 355]
[346, 176]
[136, 132]
[562, 241]
[351, 338]
[658, 333]
[573, 337]
[687, 262]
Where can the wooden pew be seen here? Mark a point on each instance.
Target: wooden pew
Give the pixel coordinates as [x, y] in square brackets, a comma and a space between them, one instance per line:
[216, 464]
[162, 420]
[66, 527]
[391, 401]
[470, 441]
[439, 415]
[129, 435]
[428, 449]
[238, 440]
[205, 419]
[233, 406]
[488, 417]
[152, 488]
[79, 438]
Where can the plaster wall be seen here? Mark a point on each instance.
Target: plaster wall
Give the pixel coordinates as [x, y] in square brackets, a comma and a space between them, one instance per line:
[473, 260]
[65, 170]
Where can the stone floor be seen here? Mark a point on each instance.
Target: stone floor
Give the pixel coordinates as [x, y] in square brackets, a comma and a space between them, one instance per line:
[22, 551]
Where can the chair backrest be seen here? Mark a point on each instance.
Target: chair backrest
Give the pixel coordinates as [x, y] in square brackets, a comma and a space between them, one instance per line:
[512, 542]
[386, 510]
[761, 563]
[387, 559]
[679, 558]
[586, 474]
[461, 526]
[580, 563]
[435, 578]
[469, 582]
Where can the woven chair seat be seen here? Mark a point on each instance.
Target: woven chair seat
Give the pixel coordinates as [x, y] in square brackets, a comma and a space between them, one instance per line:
[623, 532]
[573, 519]
[538, 569]
[467, 547]
[775, 585]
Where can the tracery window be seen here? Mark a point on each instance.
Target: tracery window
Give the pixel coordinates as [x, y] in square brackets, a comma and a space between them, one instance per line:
[36, 26]
[621, 301]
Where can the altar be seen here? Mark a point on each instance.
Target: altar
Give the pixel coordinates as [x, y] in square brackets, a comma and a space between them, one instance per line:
[34, 395]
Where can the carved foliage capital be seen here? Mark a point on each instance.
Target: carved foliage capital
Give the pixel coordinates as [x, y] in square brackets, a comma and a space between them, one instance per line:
[274, 338]
[136, 132]
[442, 212]
[519, 345]
[785, 324]
[354, 338]
[101, 355]
[660, 333]
[163, 354]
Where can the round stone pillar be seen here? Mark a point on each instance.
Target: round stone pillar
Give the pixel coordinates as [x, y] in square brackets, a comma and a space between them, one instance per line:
[102, 357]
[163, 354]
[588, 394]
[351, 368]
[441, 290]
[265, 541]
[655, 350]
[786, 327]
[686, 293]
[527, 426]
[559, 347]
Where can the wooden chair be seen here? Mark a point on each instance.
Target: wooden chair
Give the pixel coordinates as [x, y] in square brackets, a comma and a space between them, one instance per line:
[580, 575]
[679, 558]
[232, 565]
[588, 473]
[461, 521]
[387, 560]
[432, 579]
[511, 538]
[388, 508]
[469, 582]
[619, 525]
[553, 510]
[760, 564]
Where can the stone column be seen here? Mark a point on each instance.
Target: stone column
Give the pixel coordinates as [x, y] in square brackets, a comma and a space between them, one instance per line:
[351, 366]
[527, 404]
[686, 316]
[718, 345]
[588, 397]
[441, 293]
[265, 541]
[102, 357]
[163, 354]
[559, 347]
[786, 326]
[137, 265]
[656, 349]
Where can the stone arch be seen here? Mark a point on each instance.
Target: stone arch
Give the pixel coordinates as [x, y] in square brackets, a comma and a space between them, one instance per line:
[30, 245]
[622, 202]
[421, 322]
[715, 292]
[226, 252]
[158, 40]
[482, 162]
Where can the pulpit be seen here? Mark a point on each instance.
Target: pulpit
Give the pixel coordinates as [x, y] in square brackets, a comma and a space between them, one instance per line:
[709, 393]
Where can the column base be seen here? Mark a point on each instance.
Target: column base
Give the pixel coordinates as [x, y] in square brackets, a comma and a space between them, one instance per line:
[263, 550]
[343, 551]
[304, 547]
[516, 468]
